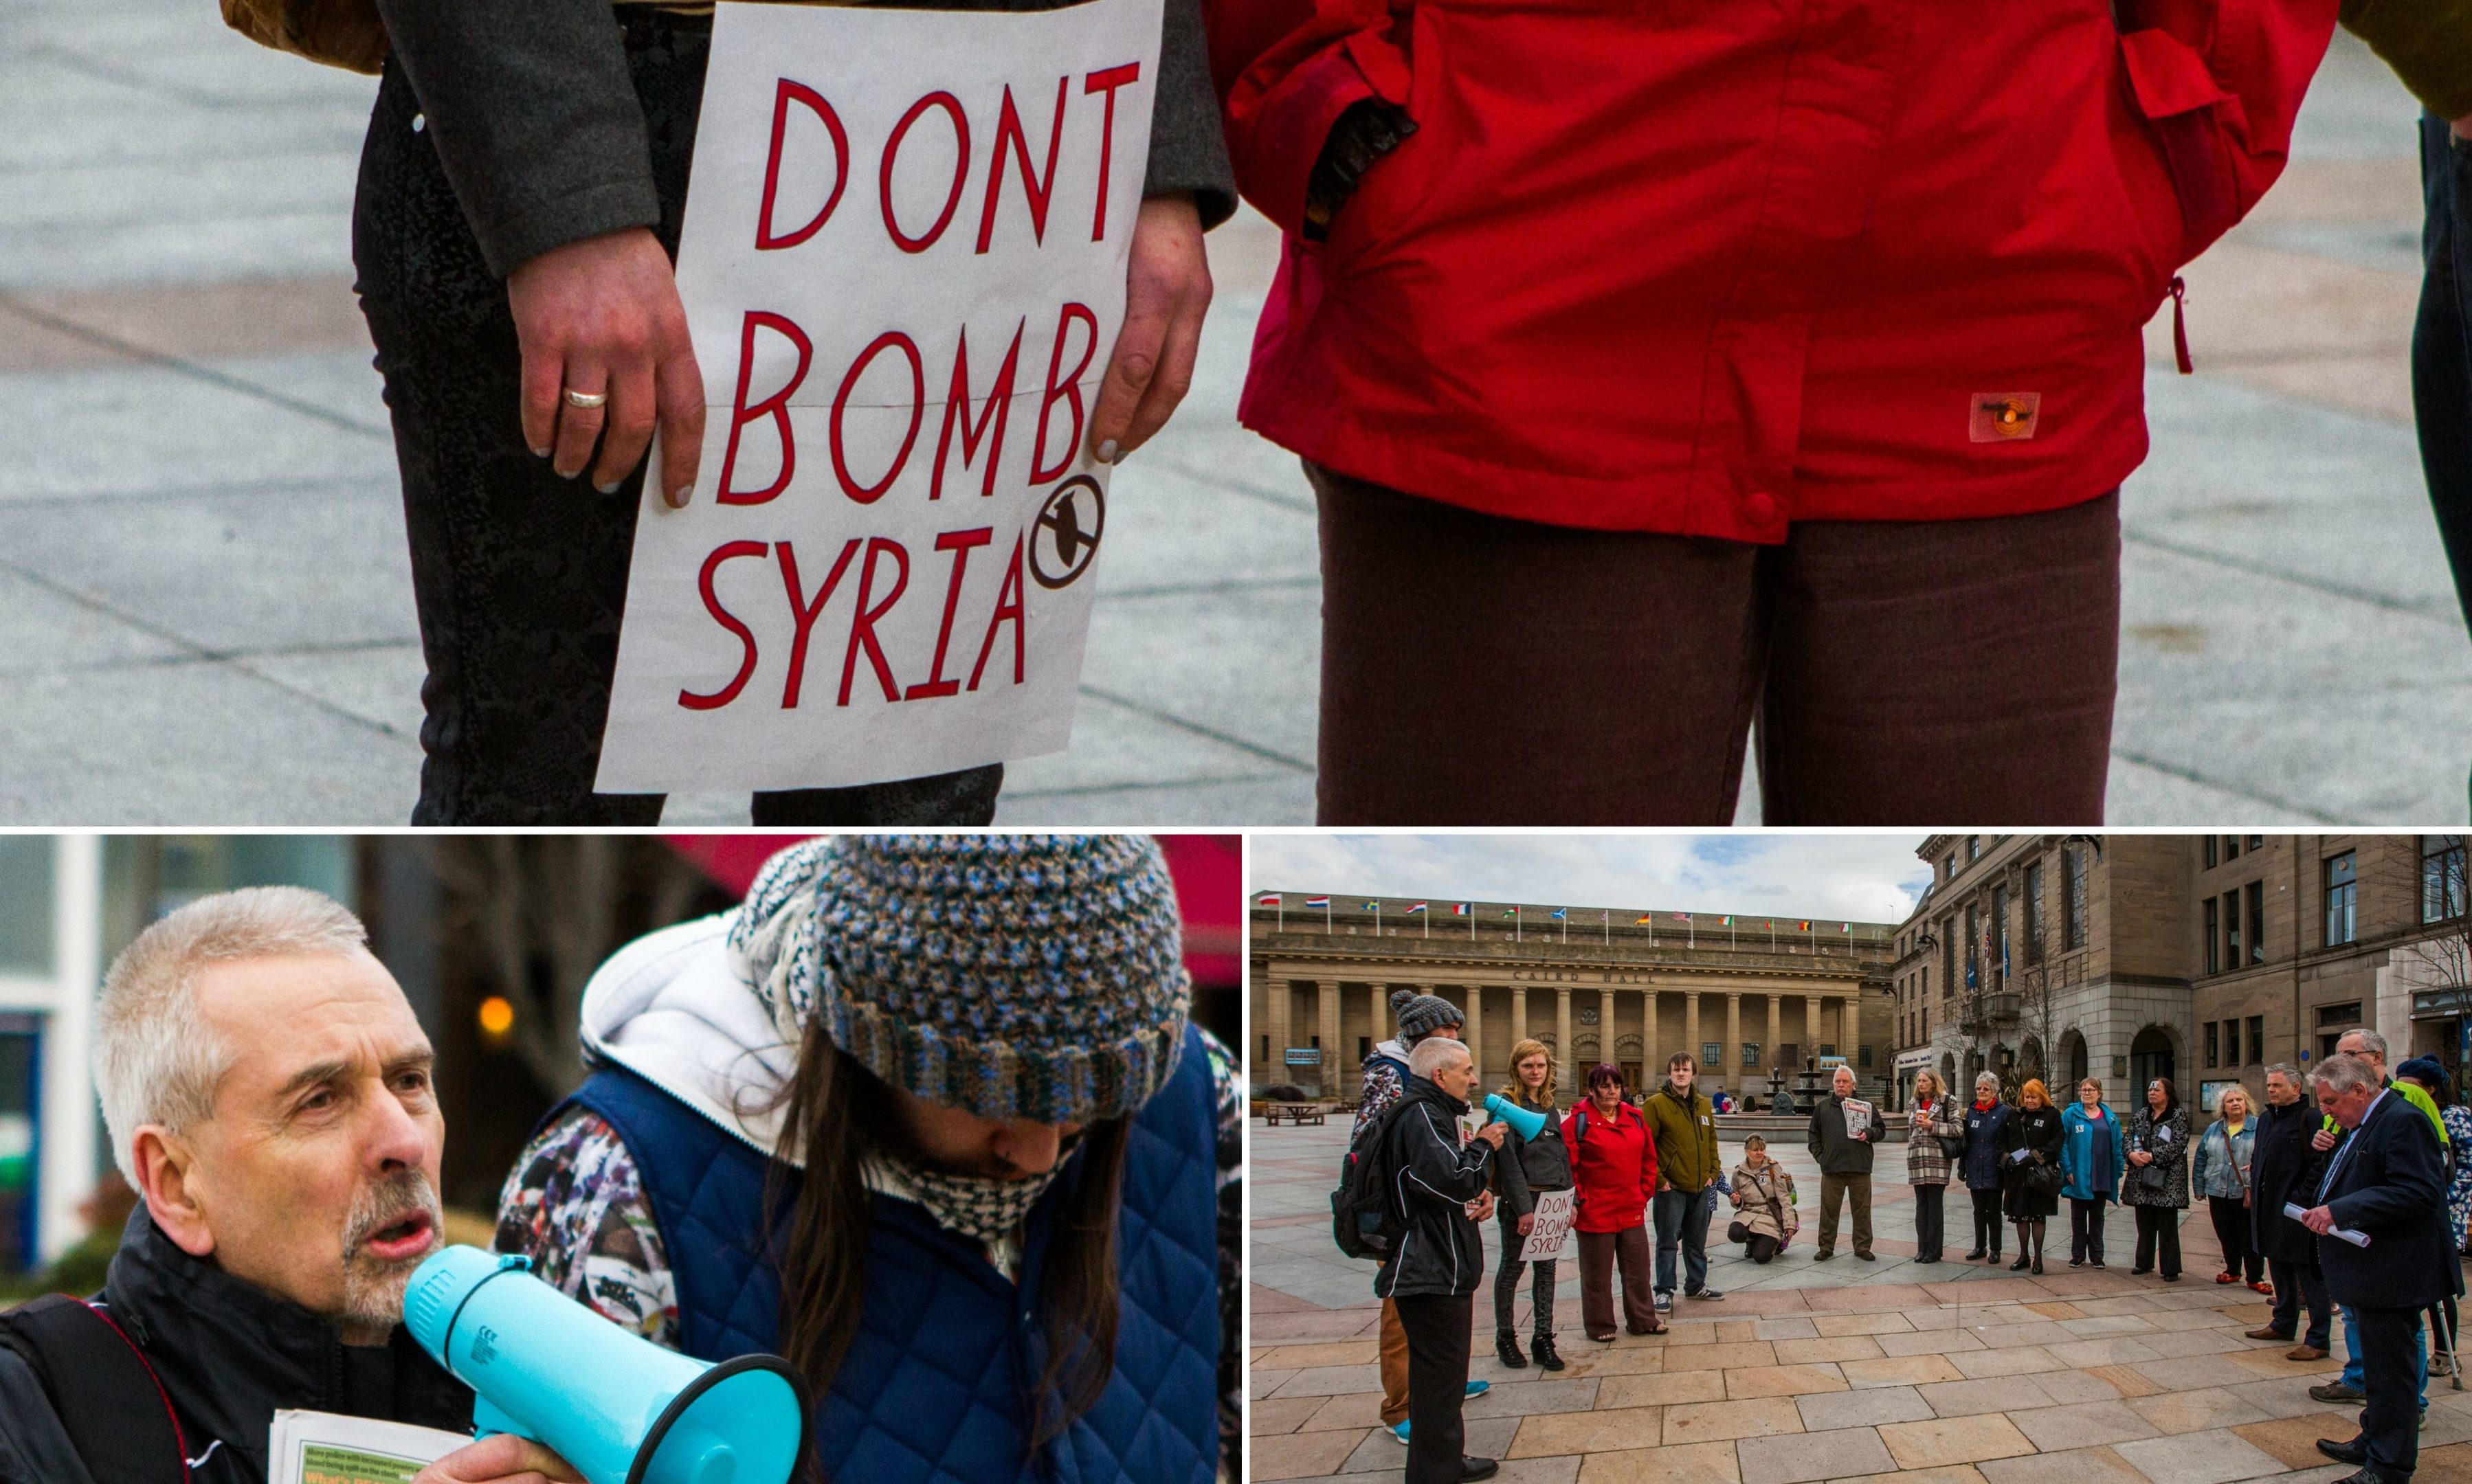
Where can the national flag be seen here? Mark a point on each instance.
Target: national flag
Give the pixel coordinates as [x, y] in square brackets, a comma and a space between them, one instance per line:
[1418, 908]
[1806, 928]
[1317, 900]
[1643, 917]
[1510, 911]
[1846, 928]
[1268, 899]
[1682, 917]
[1463, 908]
[1729, 922]
[1562, 911]
[1373, 906]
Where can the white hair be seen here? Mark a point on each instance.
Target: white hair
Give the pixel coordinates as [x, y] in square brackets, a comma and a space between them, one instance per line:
[1983, 1077]
[1432, 1054]
[156, 1060]
[2371, 1042]
[2344, 1071]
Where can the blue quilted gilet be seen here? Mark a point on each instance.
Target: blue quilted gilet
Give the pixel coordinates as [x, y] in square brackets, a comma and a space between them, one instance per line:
[932, 1390]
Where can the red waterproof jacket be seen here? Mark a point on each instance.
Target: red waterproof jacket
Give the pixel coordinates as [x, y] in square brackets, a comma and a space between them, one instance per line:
[1613, 1163]
[1711, 268]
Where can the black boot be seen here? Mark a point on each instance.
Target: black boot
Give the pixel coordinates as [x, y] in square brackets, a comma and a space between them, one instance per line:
[1547, 1357]
[1506, 1346]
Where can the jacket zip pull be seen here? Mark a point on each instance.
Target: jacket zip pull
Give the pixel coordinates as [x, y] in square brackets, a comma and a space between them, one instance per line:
[2180, 324]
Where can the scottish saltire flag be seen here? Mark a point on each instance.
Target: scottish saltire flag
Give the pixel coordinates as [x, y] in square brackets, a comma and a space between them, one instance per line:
[1418, 908]
[1562, 912]
[1317, 900]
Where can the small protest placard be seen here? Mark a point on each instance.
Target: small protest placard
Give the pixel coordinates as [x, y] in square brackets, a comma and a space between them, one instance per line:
[903, 264]
[1858, 1118]
[1552, 1229]
[329, 1447]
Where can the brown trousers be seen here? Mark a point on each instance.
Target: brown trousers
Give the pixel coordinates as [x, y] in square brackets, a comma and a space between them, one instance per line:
[1483, 671]
[1394, 1366]
[1854, 1191]
[1600, 1253]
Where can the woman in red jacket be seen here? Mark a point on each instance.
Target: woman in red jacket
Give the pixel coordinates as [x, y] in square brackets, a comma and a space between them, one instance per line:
[1613, 1163]
[1665, 368]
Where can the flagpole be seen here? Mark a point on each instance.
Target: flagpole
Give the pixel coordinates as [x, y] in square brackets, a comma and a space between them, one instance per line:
[1326, 927]
[1606, 917]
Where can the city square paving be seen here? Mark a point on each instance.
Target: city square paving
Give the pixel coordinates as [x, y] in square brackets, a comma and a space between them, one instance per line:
[1950, 1372]
[205, 608]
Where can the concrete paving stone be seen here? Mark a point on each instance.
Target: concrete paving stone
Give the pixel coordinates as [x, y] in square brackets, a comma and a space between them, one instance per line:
[380, 684]
[1589, 1433]
[2215, 1457]
[1952, 1473]
[2057, 1309]
[1813, 1455]
[1351, 1412]
[1226, 662]
[2190, 1373]
[45, 629]
[2290, 1398]
[1263, 1382]
[1533, 1400]
[1929, 1342]
[1782, 1381]
[2180, 1343]
[1723, 1356]
[1705, 1421]
[1692, 1463]
[1835, 1326]
[2293, 1441]
[1614, 1359]
[1329, 1380]
[1900, 1371]
[1298, 1455]
[2111, 1350]
[1541, 1470]
[1167, 529]
[2107, 1324]
[2056, 1427]
[166, 766]
[2077, 1466]
[1931, 1443]
[1973, 1398]
[1868, 1407]
[1988, 1364]
[2009, 1336]
[1851, 1347]
[1787, 1327]
[2271, 1362]
[1254, 801]
[2067, 1387]
[1271, 1417]
[1689, 1386]
[1329, 1353]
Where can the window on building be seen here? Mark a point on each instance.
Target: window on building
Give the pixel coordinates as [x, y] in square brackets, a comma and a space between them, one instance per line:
[1973, 947]
[2333, 1020]
[2212, 1060]
[1863, 1056]
[1973, 848]
[2000, 933]
[1948, 979]
[2231, 929]
[2257, 842]
[2342, 899]
[1266, 1050]
[2214, 959]
[1947, 867]
[2231, 847]
[2256, 924]
[2441, 878]
[1828, 1048]
[26, 897]
[2256, 1042]
[2213, 849]
[1750, 1055]
[2073, 921]
[1712, 1053]
[2034, 912]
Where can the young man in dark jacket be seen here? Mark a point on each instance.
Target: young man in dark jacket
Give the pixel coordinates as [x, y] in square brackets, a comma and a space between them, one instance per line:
[268, 1093]
[1844, 1167]
[518, 207]
[2284, 1168]
[1437, 1192]
[1685, 1127]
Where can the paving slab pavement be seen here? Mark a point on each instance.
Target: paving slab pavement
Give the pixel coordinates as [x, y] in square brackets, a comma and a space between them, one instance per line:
[1948, 1373]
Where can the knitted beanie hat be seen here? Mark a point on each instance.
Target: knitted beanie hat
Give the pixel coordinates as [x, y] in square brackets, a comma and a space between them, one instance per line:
[1012, 975]
[2424, 1069]
[1421, 1015]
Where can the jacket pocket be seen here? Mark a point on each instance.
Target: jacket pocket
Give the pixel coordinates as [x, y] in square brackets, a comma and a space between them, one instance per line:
[2191, 122]
[1386, 201]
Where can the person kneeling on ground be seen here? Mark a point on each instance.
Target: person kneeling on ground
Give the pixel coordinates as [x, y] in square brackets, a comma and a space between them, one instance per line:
[268, 1094]
[1765, 1219]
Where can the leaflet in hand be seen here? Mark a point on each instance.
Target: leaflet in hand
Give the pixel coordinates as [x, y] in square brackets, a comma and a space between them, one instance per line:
[2345, 1234]
[327, 1448]
[1858, 1118]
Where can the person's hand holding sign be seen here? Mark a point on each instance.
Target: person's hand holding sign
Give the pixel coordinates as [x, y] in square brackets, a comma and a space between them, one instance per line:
[502, 1458]
[605, 356]
[1167, 289]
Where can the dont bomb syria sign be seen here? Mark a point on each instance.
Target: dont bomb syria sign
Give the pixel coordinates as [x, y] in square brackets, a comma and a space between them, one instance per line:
[903, 265]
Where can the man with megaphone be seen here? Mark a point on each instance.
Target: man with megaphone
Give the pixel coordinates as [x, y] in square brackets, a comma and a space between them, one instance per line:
[925, 1116]
[268, 1093]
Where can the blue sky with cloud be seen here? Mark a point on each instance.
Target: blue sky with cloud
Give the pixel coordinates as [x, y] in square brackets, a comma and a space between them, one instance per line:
[1867, 878]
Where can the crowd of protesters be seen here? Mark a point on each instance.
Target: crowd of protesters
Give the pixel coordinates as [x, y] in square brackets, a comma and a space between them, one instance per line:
[2292, 1186]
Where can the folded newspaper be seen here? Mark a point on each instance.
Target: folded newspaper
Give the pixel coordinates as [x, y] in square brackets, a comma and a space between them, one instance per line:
[327, 1448]
[1858, 1118]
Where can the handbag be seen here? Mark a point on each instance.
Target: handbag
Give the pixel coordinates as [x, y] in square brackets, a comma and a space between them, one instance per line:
[1951, 1145]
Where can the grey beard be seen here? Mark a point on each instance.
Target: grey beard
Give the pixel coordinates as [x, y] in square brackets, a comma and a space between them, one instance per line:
[374, 1290]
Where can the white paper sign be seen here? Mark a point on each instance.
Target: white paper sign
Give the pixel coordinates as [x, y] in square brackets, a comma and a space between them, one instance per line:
[1552, 1230]
[903, 264]
[328, 1448]
[1858, 1118]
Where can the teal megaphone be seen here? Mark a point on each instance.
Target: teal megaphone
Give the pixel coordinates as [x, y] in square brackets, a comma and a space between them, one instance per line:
[1527, 1125]
[618, 1407]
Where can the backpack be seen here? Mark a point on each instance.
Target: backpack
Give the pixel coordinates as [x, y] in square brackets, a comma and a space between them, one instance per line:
[102, 1388]
[338, 32]
[1360, 1219]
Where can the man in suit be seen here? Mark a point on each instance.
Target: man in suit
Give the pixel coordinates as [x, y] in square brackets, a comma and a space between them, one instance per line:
[2386, 1180]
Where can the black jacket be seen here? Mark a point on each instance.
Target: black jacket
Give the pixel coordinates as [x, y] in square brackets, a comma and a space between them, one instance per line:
[1433, 1177]
[541, 136]
[228, 1354]
[1526, 1166]
[2036, 1131]
[2389, 1181]
[1837, 1154]
[2283, 1167]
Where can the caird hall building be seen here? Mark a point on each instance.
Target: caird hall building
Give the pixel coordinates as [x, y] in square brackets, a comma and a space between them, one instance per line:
[2202, 958]
[1747, 995]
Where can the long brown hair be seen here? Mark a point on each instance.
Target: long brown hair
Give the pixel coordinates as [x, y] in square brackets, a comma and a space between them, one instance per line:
[1517, 1091]
[832, 1112]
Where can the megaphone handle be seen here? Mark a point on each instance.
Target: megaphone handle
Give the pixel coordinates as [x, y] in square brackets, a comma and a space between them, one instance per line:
[487, 1421]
